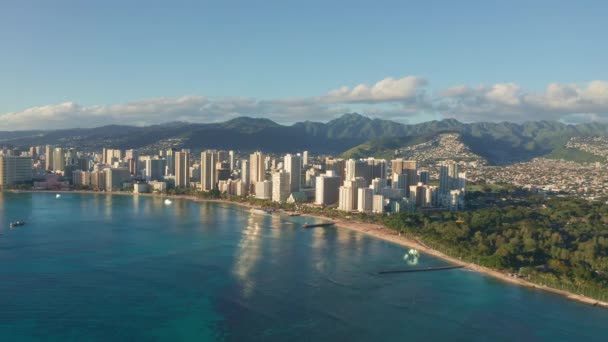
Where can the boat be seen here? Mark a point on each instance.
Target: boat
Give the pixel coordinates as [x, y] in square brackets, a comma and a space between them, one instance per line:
[57, 195]
[168, 201]
[16, 224]
[312, 225]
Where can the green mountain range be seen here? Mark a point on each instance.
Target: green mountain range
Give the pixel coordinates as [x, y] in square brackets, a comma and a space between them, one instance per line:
[499, 143]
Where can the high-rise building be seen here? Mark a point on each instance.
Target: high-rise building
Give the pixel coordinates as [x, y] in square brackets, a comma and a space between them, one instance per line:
[33, 153]
[263, 190]
[98, 180]
[256, 166]
[378, 206]
[82, 163]
[80, 177]
[116, 177]
[406, 167]
[378, 184]
[223, 156]
[58, 159]
[208, 172]
[448, 177]
[327, 188]
[348, 200]
[358, 168]
[424, 176]
[280, 186]
[71, 157]
[293, 165]
[305, 158]
[134, 167]
[155, 169]
[222, 170]
[195, 173]
[400, 165]
[418, 194]
[365, 200]
[231, 159]
[49, 157]
[337, 165]
[170, 156]
[462, 181]
[245, 173]
[111, 155]
[399, 181]
[378, 167]
[131, 154]
[14, 169]
[310, 176]
[182, 168]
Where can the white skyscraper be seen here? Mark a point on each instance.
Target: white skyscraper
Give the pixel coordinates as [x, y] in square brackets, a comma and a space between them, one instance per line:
[347, 198]
[378, 206]
[305, 158]
[231, 159]
[245, 172]
[348, 194]
[263, 190]
[280, 186]
[365, 198]
[256, 166]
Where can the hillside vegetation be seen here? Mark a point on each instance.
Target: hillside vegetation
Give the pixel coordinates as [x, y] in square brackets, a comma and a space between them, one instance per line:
[499, 143]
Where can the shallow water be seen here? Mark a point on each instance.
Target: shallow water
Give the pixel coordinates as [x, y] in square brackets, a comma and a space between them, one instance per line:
[114, 268]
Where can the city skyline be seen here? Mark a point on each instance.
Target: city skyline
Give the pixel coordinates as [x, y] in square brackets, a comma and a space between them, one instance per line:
[320, 170]
[408, 62]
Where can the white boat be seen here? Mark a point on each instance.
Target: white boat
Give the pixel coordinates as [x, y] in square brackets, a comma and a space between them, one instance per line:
[168, 201]
[57, 196]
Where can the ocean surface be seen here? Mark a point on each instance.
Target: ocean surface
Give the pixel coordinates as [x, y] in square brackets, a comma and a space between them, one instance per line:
[127, 268]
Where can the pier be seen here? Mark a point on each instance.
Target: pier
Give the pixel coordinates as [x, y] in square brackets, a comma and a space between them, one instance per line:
[312, 225]
[422, 269]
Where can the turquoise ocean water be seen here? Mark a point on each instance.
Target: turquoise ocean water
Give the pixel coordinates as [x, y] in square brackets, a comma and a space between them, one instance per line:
[128, 268]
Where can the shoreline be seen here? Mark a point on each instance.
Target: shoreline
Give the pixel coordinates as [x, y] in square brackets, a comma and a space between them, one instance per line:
[374, 230]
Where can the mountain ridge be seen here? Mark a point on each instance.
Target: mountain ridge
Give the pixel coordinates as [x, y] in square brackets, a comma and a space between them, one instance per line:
[499, 142]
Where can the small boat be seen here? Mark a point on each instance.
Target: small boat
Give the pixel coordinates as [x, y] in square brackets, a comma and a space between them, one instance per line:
[16, 224]
[57, 195]
[168, 201]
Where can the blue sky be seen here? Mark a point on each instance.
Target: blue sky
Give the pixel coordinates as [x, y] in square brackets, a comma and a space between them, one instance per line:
[61, 59]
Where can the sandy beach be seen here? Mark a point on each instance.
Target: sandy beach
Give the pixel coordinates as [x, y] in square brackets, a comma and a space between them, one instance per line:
[383, 233]
[387, 234]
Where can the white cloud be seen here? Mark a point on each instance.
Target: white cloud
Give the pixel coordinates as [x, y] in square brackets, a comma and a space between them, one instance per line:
[507, 101]
[404, 99]
[386, 90]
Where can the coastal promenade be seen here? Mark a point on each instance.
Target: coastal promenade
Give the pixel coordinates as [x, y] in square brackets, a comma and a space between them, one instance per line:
[380, 232]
